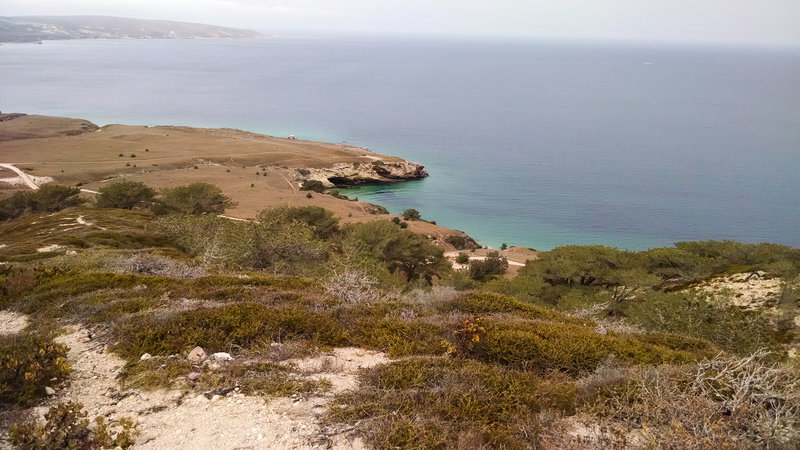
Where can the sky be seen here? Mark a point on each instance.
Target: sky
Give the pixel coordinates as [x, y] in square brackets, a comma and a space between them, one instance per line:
[738, 22]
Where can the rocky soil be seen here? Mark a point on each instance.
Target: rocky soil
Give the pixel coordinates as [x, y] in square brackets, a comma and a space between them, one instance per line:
[181, 418]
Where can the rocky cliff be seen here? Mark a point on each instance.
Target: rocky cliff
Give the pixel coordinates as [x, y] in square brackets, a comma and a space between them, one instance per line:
[378, 171]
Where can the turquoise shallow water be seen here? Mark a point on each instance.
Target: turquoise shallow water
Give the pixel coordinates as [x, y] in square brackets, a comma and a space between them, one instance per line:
[535, 144]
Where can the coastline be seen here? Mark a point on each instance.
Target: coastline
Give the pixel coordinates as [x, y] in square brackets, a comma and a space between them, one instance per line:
[255, 170]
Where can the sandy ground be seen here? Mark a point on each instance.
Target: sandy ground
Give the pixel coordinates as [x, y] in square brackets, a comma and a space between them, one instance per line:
[177, 419]
[12, 322]
[743, 290]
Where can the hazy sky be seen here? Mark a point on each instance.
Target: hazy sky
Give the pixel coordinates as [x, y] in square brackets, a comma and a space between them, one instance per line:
[723, 21]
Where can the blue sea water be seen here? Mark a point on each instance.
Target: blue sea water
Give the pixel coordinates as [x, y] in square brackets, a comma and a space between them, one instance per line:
[537, 144]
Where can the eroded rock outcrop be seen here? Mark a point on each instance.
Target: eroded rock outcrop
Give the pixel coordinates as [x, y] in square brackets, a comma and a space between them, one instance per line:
[378, 171]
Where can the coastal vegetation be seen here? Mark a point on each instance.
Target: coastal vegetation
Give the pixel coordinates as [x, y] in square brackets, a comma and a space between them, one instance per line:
[643, 349]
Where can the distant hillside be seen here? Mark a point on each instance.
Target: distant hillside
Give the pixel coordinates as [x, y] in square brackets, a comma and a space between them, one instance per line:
[40, 28]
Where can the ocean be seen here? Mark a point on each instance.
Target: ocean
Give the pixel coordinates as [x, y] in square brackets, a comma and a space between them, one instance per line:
[538, 144]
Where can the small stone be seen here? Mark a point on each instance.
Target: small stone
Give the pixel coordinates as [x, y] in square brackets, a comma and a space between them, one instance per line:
[49, 391]
[222, 356]
[212, 365]
[197, 355]
[193, 376]
[145, 357]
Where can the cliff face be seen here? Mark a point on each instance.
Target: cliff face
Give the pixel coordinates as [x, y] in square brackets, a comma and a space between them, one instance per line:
[379, 171]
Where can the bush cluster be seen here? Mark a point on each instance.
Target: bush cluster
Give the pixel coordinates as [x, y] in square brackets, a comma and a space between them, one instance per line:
[29, 364]
[445, 403]
[48, 198]
[493, 264]
[195, 198]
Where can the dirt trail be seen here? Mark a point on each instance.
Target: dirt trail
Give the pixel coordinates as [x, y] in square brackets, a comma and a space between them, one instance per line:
[24, 176]
[177, 419]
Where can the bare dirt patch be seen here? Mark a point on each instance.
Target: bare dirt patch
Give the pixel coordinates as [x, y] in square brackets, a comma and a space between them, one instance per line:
[745, 290]
[179, 418]
[12, 322]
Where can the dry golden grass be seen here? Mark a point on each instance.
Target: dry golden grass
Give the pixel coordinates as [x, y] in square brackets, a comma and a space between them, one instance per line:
[254, 170]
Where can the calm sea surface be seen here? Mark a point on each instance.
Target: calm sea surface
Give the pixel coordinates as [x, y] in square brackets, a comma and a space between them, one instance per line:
[535, 144]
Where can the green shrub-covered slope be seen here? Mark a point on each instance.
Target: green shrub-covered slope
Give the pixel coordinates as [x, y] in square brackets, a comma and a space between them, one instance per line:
[575, 338]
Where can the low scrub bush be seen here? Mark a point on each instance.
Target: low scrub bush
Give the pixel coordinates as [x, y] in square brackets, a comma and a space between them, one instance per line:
[67, 426]
[28, 364]
[729, 328]
[482, 302]
[570, 348]
[445, 403]
[721, 402]
[264, 378]
[353, 286]
[154, 265]
[240, 325]
[400, 337]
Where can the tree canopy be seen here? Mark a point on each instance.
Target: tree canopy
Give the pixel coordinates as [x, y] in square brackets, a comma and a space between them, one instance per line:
[196, 198]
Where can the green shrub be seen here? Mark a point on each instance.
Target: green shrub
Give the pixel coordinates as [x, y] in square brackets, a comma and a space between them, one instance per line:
[570, 348]
[524, 287]
[324, 224]
[399, 337]
[66, 426]
[125, 195]
[736, 331]
[444, 403]
[241, 325]
[494, 264]
[401, 250]
[28, 364]
[48, 198]
[481, 302]
[462, 242]
[377, 209]
[462, 258]
[196, 198]
[312, 185]
[411, 214]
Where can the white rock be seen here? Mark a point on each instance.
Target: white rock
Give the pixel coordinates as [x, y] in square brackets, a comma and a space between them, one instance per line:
[222, 356]
[49, 391]
[145, 357]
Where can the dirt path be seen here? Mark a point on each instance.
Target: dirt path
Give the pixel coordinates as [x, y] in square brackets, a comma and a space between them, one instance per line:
[178, 419]
[24, 176]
